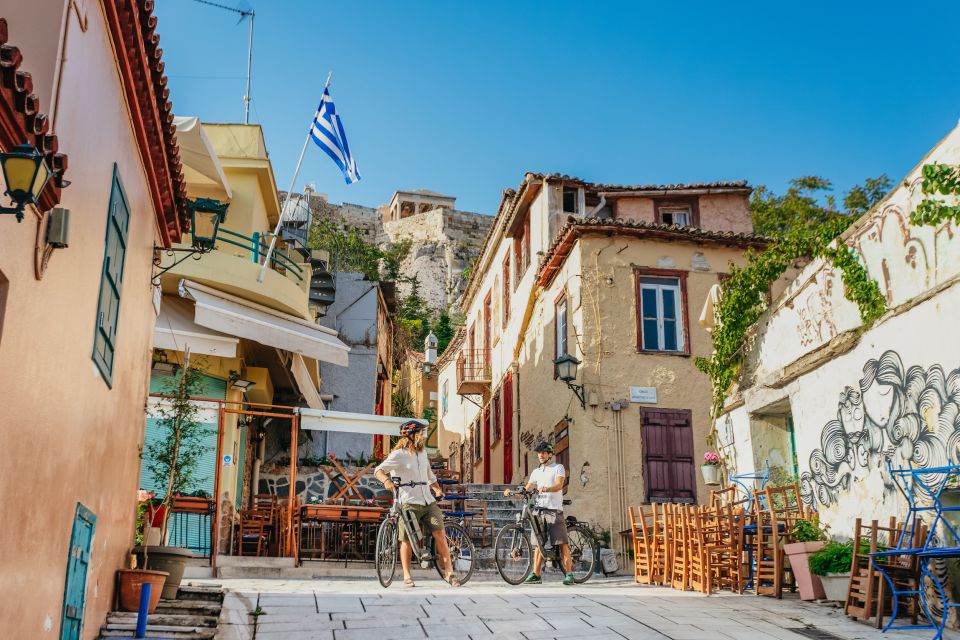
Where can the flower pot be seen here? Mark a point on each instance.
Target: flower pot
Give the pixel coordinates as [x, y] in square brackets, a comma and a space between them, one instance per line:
[835, 586]
[169, 559]
[711, 473]
[131, 583]
[811, 588]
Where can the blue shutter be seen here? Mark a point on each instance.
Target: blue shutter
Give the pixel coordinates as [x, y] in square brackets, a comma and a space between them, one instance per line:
[111, 279]
[78, 560]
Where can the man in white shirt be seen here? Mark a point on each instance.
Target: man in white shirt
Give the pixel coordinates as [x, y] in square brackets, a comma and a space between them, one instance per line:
[549, 479]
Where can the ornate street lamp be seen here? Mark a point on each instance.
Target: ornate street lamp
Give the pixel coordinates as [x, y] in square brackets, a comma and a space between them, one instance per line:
[567, 372]
[206, 214]
[26, 174]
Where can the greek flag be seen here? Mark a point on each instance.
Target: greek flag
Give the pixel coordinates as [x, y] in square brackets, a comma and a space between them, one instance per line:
[327, 132]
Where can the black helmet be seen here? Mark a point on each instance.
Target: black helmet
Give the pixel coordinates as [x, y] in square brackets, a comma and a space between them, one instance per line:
[410, 427]
[543, 445]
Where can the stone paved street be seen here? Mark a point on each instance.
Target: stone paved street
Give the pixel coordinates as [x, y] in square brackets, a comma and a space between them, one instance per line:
[340, 609]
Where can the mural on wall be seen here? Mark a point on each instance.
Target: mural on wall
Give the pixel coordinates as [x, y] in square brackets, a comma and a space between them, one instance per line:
[909, 416]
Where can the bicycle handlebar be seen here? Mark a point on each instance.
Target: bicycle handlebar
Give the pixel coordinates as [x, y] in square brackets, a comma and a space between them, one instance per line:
[397, 483]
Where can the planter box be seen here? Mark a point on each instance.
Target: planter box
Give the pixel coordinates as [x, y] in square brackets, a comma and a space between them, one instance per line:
[835, 586]
[711, 473]
[169, 559]
[811, 587]
[131, 584]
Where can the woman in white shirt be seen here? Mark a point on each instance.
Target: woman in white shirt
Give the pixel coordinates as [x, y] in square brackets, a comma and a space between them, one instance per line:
[409, 463]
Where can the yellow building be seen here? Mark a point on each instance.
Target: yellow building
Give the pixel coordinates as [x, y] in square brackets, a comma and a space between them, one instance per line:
[256, 343]
[613, 276]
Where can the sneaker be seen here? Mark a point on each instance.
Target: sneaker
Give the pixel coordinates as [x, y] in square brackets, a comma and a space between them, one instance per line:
[568, 579]
[533, 579]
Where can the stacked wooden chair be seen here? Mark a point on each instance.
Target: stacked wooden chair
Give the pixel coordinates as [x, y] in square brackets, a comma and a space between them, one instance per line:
[777, 510]
[649, 550]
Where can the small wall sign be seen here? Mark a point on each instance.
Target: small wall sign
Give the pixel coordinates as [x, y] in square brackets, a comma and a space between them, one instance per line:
[646, 395]
[228, 460]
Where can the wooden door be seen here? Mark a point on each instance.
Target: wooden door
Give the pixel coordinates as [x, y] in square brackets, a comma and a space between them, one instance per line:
[668, 465]
[78, 560]
[485, 444]
[508, 428]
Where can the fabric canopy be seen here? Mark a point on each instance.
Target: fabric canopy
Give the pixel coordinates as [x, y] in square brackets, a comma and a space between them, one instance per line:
[200, 163]
[344, 422]
[238, 317]
[175, 330]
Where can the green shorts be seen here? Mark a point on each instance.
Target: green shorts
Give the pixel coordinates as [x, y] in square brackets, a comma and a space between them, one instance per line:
[429, 516]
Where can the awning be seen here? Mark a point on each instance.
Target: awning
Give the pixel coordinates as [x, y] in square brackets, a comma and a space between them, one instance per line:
[708, 317]
[304, 382]
[201, 166]
[345, 422]
[175, 330]
[242, 318]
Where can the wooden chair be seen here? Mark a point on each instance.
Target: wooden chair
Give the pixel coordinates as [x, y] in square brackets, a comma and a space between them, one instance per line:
[725, 548]
[253, 532]
[648, 551]
[701, 527]
[777, 510]
[676, 521]
[723, 497]
[479, 521]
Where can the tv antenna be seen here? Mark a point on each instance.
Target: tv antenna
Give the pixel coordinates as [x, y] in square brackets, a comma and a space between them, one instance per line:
[244, 13]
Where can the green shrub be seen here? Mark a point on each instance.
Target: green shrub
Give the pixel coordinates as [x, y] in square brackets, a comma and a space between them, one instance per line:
[835, 557]
[808, 531]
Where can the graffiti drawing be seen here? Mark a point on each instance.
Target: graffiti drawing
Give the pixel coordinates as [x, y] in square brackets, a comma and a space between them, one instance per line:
[910, 417]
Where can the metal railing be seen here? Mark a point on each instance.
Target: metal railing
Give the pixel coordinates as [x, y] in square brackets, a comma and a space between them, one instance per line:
[473, 365]
[258, 244]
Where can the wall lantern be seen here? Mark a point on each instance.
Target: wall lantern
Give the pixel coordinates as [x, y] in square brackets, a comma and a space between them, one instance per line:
[26, 174]
[206, 215]
[236, 382]
[567, 372]
[429, 353]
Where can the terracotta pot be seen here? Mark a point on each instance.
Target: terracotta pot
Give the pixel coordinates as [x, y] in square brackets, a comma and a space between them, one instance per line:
[811, 588]
[711, 473]
[131, 583]
[835, 586]
[169, 559]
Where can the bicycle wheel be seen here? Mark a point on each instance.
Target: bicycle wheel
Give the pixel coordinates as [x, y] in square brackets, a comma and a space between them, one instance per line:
[386, 553]
[583, 550]
[461, 551]
[513, 554]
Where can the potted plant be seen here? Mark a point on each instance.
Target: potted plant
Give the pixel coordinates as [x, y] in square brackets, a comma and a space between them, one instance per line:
[132, 580]
[808, 537]
[832, 563]
[711, 468]
[172, 461]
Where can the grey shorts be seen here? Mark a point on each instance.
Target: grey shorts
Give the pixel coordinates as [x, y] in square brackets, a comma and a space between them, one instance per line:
[556, 527]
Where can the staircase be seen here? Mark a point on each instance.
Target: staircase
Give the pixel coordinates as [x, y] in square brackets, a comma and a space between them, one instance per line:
[501, 511]
[194, 615]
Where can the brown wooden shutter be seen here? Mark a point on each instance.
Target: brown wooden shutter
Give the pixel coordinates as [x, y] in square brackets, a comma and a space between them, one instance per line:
[668, 469]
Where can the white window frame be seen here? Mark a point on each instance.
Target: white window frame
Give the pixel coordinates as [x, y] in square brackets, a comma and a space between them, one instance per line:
[658, 288]
[674, 211]
[561, 336]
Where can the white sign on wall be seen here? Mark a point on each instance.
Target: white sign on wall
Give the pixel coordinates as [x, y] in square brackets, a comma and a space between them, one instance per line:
[647, 395]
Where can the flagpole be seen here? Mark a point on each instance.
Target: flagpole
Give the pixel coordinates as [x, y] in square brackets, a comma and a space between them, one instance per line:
[296, 172]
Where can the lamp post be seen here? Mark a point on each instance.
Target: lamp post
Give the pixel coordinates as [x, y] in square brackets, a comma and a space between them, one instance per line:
[206, 215]
[26, 174]
[567, 372]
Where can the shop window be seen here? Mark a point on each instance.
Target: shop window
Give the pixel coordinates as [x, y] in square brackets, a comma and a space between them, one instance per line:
[661, 311]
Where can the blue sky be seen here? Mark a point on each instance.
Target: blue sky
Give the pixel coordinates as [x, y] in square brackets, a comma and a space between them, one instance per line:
[463, 98]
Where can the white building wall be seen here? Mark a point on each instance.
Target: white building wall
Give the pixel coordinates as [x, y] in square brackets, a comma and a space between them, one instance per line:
[891, 393]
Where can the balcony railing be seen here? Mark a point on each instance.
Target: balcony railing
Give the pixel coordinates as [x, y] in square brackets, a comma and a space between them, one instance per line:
[258, 245]
[473, 372]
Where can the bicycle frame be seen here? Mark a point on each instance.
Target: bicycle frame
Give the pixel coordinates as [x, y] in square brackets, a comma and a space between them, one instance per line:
[536, 524]
[421, 552]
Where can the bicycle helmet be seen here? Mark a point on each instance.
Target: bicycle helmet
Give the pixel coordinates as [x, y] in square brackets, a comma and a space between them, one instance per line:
[543, 445]
[410, 427]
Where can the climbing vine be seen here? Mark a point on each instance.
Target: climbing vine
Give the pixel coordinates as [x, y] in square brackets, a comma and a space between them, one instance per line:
[745, 293]
[938, 179]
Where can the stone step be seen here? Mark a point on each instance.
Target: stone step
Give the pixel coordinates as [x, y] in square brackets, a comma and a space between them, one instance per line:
[189, 607]
[159, 631]
[164, 619]
[205, 592]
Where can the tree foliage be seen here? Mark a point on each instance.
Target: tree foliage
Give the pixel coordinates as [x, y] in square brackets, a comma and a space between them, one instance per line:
[808, 202]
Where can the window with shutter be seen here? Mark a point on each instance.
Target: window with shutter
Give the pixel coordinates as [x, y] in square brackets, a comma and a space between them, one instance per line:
[111, 279]
[668, 465]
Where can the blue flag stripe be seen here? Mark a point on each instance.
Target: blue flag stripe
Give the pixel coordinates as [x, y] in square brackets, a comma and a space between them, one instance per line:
[328, 134]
